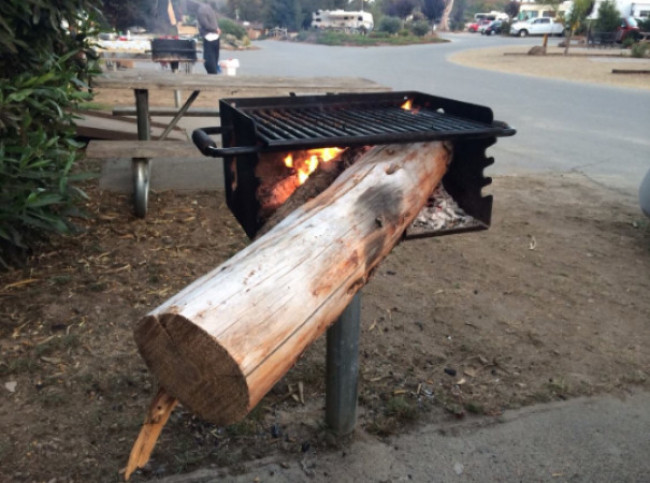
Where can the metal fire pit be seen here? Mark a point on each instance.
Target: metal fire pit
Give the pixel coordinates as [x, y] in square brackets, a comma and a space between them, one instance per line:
[251, 126]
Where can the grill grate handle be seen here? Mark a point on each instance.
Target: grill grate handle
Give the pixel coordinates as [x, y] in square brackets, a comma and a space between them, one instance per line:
[207, 146]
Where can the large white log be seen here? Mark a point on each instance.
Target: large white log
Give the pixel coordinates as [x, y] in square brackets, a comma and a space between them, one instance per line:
[226, 339]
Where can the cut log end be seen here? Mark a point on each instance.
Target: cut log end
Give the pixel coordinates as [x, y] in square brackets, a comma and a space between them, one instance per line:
[185, 376]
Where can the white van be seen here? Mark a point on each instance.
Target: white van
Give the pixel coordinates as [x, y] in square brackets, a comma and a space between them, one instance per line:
[342, 20]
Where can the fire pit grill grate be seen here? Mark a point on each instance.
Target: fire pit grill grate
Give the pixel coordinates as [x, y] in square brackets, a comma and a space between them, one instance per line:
[291, 123]
[279, 126]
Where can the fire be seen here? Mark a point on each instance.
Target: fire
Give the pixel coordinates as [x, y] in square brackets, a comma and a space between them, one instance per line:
[407, 105]
[307, 163]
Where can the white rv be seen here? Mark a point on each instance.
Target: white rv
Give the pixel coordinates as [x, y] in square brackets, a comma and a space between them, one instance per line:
[342, 20]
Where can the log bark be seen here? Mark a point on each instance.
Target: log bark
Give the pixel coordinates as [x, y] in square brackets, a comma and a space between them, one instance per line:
[225, 340]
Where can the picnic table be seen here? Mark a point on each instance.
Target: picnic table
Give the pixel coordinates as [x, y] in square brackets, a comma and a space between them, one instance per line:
[143, 82]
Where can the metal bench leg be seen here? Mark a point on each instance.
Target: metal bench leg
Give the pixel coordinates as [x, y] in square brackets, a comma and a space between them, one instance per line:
[181, 112]
[141, 168]
[141, 173]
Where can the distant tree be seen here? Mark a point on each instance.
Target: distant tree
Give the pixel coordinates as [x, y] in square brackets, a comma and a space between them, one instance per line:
[399, 8]
[457, 15]
[389, 24]
[575, 18]
[554, 4]
[433, 9]
[512, 9]
[122, 14]
[644, 25]
[284, 13]
[250, 10]
[609, 18]
[307, 8]
[335, 5]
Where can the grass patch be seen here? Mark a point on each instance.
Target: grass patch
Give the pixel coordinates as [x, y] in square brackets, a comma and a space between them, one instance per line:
[401, 409]
[340, 38]
[64, 342]
[474, 408]
[18, 366]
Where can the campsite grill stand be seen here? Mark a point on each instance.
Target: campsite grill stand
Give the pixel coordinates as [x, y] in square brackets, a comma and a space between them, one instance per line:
[175, 52]
[251, 126]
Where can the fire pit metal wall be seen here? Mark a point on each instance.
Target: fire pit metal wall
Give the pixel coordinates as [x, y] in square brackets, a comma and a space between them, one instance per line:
[253, 126]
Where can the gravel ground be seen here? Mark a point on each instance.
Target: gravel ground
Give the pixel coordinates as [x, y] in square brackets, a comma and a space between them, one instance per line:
[592, 65]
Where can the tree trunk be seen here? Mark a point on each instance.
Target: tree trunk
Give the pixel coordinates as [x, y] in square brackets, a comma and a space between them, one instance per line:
[222, 343]
[568, 42]
[444, 20]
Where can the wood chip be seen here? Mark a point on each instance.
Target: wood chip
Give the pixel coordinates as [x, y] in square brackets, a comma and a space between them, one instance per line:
[469, 372]
[20, 283]
[301, 392]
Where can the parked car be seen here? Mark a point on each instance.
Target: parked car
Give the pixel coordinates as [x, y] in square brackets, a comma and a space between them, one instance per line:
[494, 28]
[628, 27]
[537, 26]
[483, 25]
[473, 27]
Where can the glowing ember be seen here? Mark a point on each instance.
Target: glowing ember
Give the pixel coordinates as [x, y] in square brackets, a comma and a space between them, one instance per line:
[307, 164]
[407, 105]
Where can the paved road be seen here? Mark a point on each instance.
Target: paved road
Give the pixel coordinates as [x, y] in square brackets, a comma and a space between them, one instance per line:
[582, 440]
[562, 126]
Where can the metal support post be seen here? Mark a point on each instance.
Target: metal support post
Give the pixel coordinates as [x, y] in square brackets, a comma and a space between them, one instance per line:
[343, 369]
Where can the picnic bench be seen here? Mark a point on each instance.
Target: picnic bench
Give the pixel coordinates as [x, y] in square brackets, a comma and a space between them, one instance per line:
[142, 82]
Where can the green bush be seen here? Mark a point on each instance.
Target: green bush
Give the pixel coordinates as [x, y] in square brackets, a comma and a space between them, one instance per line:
[44, 67]
[389, 24]
[609, 18]
[404, 32]
[640, 50]
[420, 28]
[644, 25]
[231, 27]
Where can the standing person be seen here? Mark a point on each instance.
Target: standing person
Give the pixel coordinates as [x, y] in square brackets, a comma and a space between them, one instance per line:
[210, 32]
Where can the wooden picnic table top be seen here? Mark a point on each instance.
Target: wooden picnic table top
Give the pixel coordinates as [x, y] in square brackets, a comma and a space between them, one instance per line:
[150, 80]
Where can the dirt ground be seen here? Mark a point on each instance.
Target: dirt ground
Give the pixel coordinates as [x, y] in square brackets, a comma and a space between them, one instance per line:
[596, 68]
[550, 303]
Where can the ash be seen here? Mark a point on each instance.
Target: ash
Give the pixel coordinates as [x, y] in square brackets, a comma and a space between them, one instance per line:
[441, 213]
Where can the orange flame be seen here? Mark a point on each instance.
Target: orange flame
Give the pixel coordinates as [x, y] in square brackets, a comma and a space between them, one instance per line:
[407, 105]
[308, 163]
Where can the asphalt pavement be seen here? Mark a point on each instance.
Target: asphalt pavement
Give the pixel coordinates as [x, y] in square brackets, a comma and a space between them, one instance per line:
[594, 440]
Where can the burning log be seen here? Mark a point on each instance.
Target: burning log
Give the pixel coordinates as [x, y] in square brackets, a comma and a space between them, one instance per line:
[315, 184]
[222, 343]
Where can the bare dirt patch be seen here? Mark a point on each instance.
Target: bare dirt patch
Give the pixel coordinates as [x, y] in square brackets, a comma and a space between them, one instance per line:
[550, 303]
[595, 69]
